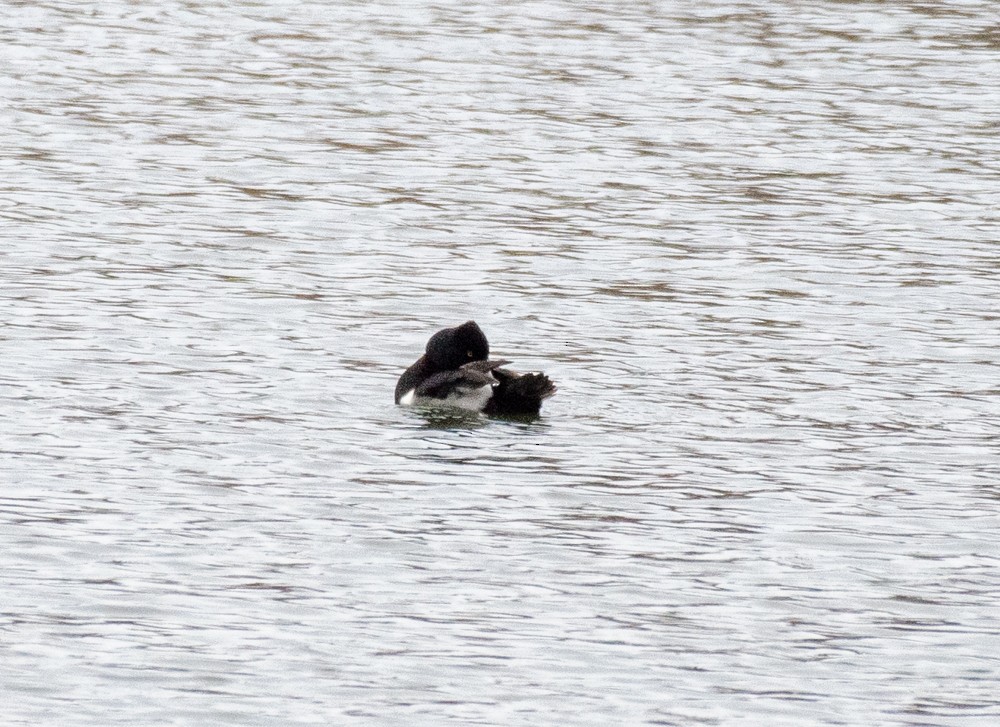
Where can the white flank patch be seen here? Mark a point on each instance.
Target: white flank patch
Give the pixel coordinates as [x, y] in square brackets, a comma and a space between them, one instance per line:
[470, 399]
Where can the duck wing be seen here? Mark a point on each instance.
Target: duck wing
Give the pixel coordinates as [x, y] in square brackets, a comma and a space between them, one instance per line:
[473, 375]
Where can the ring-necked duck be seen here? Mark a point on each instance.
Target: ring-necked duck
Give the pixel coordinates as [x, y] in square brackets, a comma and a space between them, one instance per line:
[455, 371]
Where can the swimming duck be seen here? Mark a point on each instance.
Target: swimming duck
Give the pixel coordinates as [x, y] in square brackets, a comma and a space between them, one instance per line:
[456, 371]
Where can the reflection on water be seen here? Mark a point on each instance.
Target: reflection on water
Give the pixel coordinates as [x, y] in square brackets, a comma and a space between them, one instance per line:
[754, 244]
[449, 419]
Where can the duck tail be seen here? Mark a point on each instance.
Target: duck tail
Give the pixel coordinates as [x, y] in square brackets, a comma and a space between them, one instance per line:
[519, 394]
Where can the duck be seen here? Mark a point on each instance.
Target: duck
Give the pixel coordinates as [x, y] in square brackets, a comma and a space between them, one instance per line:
[456, 371]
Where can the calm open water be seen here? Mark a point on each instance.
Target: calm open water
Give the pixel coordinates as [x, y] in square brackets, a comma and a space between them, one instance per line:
[756, 244]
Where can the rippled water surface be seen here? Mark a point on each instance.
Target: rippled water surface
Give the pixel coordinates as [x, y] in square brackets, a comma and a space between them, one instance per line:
[755, 244]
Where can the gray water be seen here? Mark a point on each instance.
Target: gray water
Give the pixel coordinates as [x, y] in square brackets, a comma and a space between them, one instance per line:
[755, 244]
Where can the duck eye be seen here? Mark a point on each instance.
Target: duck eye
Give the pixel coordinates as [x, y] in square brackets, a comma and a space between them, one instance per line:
[469, 354]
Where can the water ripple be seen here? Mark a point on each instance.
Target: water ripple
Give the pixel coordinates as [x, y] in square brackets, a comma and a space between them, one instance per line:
[754, 244]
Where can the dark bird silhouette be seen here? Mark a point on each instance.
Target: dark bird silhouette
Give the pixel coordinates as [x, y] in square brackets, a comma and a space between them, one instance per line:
[456, 371]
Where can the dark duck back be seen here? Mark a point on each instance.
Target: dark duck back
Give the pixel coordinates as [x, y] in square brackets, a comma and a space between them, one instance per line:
[456, 371]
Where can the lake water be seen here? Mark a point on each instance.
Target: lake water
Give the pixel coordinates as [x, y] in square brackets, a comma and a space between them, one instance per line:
[755, 244]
